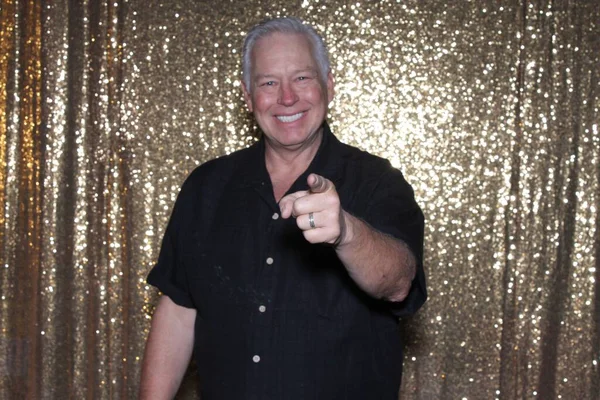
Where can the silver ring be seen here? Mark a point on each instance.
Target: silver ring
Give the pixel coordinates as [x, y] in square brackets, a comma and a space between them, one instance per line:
[311, 220]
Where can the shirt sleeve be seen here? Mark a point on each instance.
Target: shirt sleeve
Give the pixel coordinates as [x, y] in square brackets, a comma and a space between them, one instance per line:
[168, 275]
[392, 209]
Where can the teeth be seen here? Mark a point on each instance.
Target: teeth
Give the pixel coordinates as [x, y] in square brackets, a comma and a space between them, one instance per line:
[289, 118]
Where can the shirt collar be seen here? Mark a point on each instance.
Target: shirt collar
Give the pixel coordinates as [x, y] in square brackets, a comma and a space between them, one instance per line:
[253, 170]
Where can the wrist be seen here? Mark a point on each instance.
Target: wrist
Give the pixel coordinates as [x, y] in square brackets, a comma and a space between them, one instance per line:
[348, 230]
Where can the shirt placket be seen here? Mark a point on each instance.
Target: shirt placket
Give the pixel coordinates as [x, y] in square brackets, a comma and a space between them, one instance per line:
[262, 357]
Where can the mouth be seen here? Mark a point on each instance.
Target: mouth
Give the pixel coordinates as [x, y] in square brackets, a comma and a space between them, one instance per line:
[290, 118]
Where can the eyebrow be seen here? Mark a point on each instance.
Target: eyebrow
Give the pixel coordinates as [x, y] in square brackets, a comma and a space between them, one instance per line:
[307, 69]
[298, 71]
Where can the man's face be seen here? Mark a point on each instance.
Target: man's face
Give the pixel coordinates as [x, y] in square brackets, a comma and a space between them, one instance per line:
[288, 99]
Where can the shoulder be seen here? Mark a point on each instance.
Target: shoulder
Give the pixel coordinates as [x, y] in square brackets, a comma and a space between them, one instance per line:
[368, 180]
[365, 164]
[218, 168]
[204, 185]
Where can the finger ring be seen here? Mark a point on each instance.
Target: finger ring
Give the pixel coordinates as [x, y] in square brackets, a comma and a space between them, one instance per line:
[311, 220]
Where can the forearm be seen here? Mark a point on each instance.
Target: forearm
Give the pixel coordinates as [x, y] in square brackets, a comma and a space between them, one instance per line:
[168, 350]
[381, 265]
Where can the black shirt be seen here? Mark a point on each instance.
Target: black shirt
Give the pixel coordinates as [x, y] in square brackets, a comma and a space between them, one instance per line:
[278, 317]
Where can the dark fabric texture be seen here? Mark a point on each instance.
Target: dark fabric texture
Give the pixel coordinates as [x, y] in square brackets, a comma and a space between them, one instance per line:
[278, 317]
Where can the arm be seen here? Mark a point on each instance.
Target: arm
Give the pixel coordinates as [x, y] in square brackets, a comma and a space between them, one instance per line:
[168, 350]
[381, 265]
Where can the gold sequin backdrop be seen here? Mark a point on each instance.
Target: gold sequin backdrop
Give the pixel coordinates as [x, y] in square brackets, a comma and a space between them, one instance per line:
[490, 108]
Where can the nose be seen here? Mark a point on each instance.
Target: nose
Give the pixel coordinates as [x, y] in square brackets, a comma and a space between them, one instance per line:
[287, 95]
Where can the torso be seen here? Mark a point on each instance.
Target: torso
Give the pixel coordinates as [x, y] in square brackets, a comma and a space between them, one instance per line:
[237, 255]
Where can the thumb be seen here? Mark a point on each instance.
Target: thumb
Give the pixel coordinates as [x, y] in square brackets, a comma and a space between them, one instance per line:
[286, 204]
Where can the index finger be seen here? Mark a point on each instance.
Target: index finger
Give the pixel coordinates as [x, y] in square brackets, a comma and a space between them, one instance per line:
[318, 184]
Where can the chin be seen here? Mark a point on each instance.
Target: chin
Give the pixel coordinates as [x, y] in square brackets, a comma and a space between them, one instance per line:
[290, 142]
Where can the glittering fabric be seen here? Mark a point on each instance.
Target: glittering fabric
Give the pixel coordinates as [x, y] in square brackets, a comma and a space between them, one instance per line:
[490, 109]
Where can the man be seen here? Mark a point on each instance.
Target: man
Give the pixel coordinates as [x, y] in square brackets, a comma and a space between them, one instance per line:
[285, 265]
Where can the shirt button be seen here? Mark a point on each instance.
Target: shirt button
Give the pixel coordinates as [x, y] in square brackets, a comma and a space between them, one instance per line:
[262, 308]
[270, 260]
[256, 359]
[275, 216]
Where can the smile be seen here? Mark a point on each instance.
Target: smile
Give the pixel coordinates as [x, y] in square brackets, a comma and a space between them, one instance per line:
[290, 118]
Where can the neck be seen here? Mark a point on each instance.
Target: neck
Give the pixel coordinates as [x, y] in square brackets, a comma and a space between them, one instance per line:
[288, 161]
[286, 165]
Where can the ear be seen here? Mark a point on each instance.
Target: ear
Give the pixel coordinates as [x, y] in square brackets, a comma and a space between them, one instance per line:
[247, 97]
[330, 87]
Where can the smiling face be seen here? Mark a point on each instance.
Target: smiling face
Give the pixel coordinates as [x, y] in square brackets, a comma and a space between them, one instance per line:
[288, 98]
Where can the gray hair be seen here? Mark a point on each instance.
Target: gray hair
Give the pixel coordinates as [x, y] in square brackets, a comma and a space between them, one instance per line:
[289, 25]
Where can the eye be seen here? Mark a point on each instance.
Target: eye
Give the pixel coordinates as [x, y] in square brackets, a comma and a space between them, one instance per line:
[268, 83]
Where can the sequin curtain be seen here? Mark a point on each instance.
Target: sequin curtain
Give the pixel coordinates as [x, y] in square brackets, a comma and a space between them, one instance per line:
[489, 107]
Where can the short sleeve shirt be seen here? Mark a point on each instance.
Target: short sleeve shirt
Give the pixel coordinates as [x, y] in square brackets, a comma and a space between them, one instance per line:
[278, 317]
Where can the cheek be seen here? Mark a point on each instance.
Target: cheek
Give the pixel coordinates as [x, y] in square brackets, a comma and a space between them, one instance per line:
[315, 95]
[262, 102]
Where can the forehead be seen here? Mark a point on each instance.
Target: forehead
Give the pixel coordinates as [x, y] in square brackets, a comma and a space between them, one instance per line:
[280, 49]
